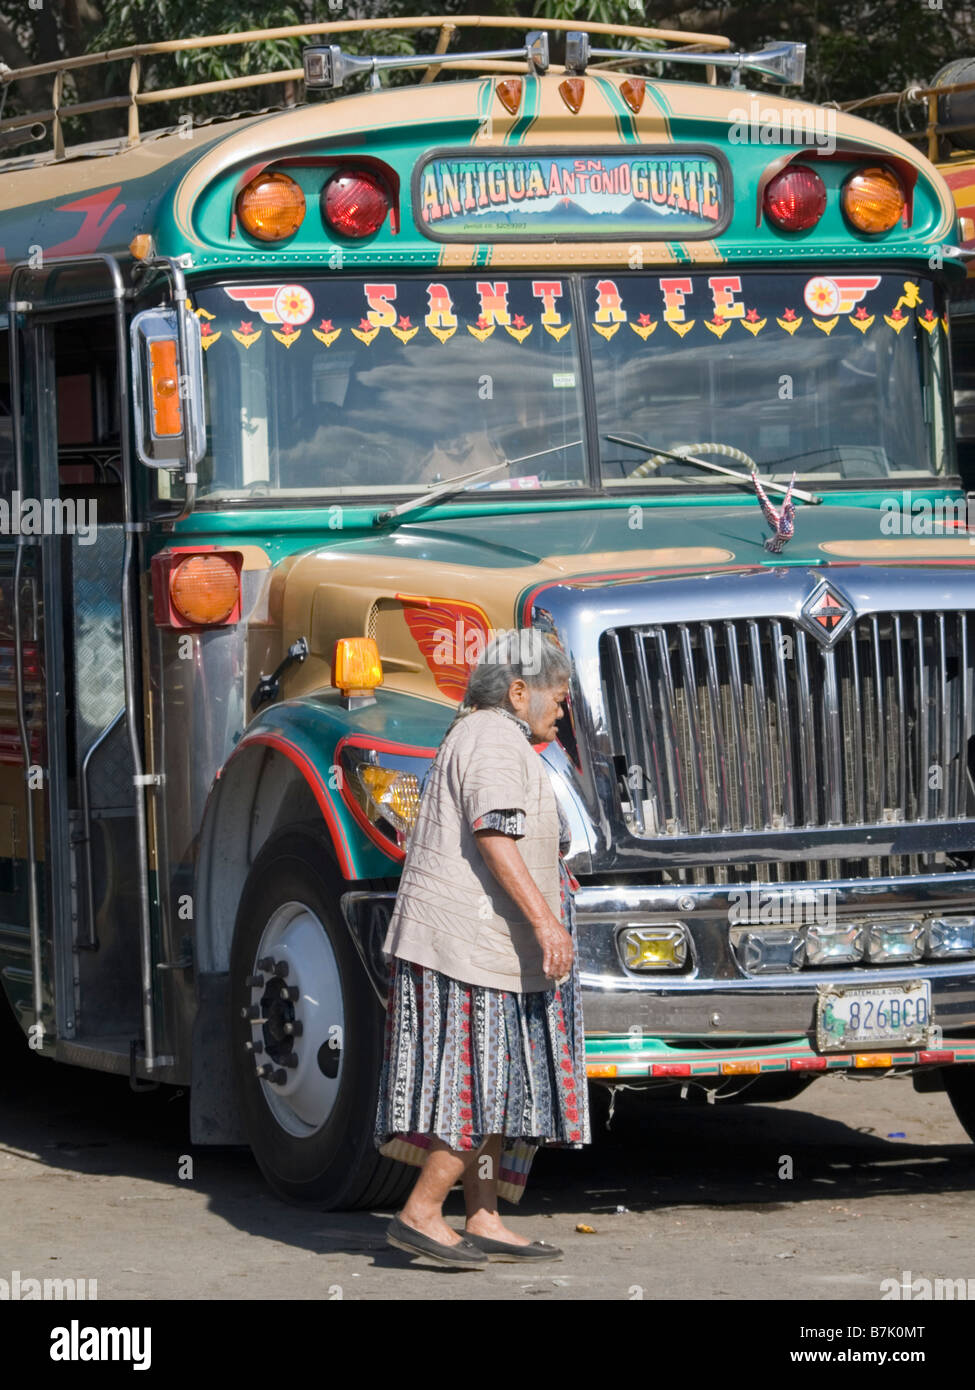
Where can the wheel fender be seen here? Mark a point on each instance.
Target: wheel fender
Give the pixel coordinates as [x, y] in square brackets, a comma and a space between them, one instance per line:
[281, 772]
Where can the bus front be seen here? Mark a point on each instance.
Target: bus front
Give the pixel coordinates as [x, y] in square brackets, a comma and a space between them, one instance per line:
[662, 367]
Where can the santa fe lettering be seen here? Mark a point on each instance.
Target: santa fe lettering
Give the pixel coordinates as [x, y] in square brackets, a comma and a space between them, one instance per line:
[75, 1343]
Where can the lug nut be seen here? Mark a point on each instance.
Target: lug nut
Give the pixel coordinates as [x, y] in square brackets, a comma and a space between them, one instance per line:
[266, 963]
[281, 969]
[252, 1011]
[254, 981]
[295, 1029]
[290, 1059]
[266, 1071]
[280, 1077]
[290, 992]
[253, 1046]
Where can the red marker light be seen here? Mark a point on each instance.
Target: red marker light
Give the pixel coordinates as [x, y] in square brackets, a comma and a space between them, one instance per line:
[795, 199]
[354, 204]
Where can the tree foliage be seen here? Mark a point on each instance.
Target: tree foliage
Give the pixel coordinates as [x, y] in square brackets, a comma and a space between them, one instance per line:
[855, 47]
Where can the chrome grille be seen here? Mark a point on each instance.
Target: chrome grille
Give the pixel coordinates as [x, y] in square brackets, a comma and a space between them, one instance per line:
[752, 724]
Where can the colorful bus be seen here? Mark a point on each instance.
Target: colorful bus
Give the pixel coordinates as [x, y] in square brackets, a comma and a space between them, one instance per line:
[299, 407]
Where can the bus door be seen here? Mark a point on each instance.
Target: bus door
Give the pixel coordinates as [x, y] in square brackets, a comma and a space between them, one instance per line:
[90, 882]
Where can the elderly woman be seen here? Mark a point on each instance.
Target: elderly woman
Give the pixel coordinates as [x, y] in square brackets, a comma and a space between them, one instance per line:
[484, 1056]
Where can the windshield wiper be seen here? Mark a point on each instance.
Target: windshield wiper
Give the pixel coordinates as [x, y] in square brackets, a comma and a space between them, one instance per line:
[444, 489]
[715, 468]
[456, 483]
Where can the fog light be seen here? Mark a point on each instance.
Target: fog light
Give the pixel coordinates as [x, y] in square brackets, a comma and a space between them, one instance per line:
[951, 936]
[769, 952]
[834, 945]
[653, 948]
[894, 941]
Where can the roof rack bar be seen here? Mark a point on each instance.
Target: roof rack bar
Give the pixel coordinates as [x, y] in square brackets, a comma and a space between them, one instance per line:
[358, 26]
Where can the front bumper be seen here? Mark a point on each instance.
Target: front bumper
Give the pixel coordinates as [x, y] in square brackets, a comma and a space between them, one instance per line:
[714, 1000]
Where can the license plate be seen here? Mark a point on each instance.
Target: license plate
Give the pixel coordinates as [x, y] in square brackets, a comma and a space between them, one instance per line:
[864, 1016]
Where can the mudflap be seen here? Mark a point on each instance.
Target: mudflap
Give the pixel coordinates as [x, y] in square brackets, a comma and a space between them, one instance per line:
[214, 1114]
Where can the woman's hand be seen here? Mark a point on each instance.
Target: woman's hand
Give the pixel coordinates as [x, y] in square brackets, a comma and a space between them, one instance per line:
[504, 860]
[557, 948]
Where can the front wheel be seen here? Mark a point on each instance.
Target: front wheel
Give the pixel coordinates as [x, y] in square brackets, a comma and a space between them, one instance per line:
[960, 1085]
[306, 1036]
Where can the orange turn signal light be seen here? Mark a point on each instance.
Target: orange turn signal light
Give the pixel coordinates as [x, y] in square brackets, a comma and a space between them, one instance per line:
[356, 667]
[164, 382]
[873, 200]
[205, 589]
[196, 586]
[271, 207]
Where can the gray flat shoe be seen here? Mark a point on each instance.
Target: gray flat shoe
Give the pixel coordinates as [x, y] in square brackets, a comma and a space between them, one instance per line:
[462, 1256]
[503, 1250]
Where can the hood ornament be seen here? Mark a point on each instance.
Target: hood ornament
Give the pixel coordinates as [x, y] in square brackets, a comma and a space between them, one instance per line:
[781, 520]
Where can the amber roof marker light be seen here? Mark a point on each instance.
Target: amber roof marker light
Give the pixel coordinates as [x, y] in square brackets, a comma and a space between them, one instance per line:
[873, 200]
[271, 207]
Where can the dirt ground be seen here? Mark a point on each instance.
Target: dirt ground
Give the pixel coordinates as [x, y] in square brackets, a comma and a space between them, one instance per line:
[685, 1203]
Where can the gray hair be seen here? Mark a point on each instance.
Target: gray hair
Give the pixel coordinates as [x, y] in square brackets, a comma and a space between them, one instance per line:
[512, 654]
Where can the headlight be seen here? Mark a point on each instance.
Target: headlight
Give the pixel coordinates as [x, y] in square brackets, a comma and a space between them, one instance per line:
[389, 793]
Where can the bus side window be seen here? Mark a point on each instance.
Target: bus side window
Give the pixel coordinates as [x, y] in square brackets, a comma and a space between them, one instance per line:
[86, 374]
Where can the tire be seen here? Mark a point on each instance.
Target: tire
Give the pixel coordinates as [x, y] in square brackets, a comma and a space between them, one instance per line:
[308, 1121]
[960, 1085]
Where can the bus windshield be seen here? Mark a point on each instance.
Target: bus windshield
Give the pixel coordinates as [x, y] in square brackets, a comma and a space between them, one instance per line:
[351, 386]
[839, 377]
[342, 386]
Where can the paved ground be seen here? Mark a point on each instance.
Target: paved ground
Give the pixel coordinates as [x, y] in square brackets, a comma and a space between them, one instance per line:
[883, 1183]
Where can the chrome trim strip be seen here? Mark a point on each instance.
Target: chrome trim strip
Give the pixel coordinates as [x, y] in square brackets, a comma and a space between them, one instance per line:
[714, 702]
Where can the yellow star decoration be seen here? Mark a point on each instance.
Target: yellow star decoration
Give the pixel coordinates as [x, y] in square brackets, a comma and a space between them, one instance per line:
[790, 325]
[862, 324]
[718, 329]
[404, 334]
[606, 331]
[286, 339]
[558, 332]
[365, 335]
[682, 329]
[442, 333]
[827, 325]
[754, 327]
[481, 334]
[327, 338]
[519, 334]
[208, 339]
[896, 324]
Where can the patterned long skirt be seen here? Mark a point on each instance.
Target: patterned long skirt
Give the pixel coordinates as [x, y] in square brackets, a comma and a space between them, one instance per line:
[463, 1062]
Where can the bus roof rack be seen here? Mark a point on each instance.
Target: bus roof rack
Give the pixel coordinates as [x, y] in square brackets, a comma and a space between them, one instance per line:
[780, 62]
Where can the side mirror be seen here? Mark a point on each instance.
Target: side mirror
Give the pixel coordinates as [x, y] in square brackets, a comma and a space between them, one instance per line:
[167, 392]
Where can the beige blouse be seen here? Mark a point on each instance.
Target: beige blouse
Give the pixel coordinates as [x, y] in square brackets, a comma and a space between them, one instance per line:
[451, 913]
